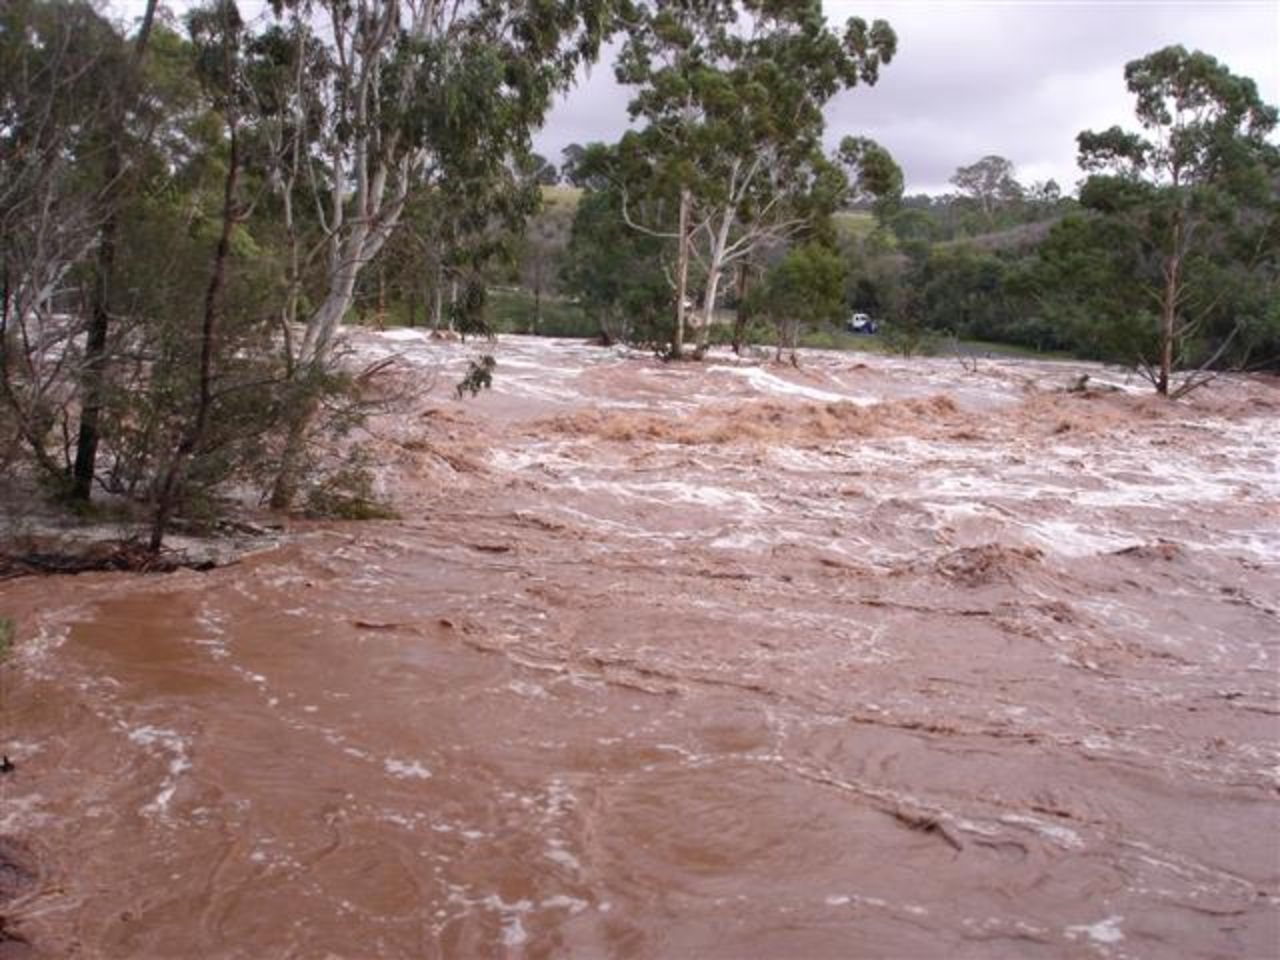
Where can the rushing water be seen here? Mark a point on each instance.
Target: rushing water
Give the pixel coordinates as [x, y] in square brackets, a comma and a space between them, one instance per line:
[686, 661]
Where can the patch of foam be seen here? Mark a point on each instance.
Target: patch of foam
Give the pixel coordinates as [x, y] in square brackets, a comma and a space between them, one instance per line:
[563, 901]
[1104, 931]
[766, 382]
[1070, 539]
[1062, 836]
[402, 333]
[176, 745]
[556, 853]
[406, 769]
[669, 491]
[754, 542]
[513, 932]
[524, 688]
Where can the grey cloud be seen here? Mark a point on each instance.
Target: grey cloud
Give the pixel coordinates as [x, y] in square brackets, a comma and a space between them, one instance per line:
[1019, 79]
[1016, 79]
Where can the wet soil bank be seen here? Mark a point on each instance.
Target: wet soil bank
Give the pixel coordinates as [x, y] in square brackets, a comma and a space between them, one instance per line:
[872, 658]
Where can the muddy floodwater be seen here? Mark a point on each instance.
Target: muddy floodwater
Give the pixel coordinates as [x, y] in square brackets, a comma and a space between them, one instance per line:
[876, 657]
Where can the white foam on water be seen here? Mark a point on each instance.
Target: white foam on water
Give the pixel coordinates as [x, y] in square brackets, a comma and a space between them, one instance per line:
[175, 744]
[406, 769]
[402, 334]
[563, 901]
[766, 382]
[1104, 931]
[1062, 836]
[1070, 539]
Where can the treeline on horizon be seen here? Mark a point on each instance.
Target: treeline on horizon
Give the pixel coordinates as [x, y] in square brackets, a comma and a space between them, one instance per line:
[191, 212]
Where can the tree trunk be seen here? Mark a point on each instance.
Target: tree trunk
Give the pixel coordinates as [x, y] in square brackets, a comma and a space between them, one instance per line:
[437, 299]
[741, 317]
[715, 272]
[1169, 309]
[709, 309]
[95, 349]
[314, 355]
[382, 297]
[682, 273]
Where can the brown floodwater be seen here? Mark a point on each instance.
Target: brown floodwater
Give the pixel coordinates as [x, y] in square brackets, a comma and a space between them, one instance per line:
[875, 657]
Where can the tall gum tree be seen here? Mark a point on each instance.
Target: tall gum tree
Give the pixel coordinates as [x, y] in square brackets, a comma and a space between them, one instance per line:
[114, 183]
[1199, 180]
[418, 88]
[61, 68]
[731, 97]
[990, 183]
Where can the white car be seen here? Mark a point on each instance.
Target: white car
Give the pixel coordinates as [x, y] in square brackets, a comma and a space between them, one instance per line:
[861, 323]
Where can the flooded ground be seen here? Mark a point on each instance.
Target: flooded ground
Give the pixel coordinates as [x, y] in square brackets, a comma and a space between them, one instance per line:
[871, 658]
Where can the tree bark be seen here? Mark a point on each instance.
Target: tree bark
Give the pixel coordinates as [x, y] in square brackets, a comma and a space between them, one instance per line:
[715, 272]
[437, 299]
[682, 273]
[1169, 308]
[740, 315]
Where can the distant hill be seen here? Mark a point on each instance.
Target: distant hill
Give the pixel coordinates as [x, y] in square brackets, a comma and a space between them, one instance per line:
[1020, 238]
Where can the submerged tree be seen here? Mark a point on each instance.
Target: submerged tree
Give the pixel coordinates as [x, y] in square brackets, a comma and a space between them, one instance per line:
[1197, 193]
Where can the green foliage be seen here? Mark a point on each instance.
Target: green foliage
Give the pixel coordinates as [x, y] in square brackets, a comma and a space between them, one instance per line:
[989, 184]
[479, 376]
[808, 284]
[8, 636]
[730, 99]
[514, 311]
[805, 288]
[1193, 200]
[348, 494]
[876, 177]
[615, 272]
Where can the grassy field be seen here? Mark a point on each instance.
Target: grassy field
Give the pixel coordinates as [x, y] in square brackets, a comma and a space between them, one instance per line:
[854, 223]
[561, 196]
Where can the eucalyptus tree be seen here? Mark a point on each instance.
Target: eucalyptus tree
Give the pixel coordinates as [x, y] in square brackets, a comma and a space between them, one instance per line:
[419, 89]
[122, 109]
[731, 98]
[218, 37]
[59, 66]
[990, 183]
[874, 176]
[618, 274]
[285, 66]
[1198, 191]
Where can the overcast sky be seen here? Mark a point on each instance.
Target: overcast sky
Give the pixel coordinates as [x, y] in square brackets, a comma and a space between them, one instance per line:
[1018, 78]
